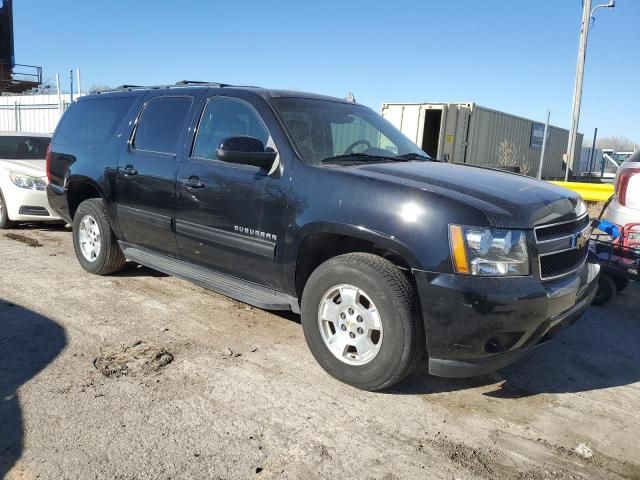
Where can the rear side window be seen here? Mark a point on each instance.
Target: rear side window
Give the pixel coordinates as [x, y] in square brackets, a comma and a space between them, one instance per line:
[91, 123]
[161, 124]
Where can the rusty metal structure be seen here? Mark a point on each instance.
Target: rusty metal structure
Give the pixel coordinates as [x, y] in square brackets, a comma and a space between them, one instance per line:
[14, 77]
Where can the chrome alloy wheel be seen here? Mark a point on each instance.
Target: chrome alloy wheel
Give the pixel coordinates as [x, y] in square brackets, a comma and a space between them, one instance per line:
[89, 238]
[350, 324]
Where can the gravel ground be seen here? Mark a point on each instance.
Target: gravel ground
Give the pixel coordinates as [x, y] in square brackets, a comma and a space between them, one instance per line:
[140, 375]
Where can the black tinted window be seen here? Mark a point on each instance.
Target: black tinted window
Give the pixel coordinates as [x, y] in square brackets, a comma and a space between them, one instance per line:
[224, 118]
[91, 123]
[23, 148]
[161, 124]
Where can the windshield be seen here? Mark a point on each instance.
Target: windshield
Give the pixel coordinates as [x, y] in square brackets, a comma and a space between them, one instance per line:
[323, 130]
[23, 148]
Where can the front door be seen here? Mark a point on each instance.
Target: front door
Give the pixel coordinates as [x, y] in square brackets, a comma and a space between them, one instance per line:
[146, 177]
[230, 217]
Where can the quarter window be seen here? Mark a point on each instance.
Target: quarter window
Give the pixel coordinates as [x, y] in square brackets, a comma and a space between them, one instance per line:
[91, 123]
[223, 118]
[161, 124]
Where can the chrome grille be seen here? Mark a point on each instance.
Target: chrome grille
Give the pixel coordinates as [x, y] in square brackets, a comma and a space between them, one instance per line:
[559, 229]
[562, 247]
[561, 263]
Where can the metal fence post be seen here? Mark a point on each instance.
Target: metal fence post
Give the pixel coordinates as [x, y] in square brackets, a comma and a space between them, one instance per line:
[544, 145]
[593, 152]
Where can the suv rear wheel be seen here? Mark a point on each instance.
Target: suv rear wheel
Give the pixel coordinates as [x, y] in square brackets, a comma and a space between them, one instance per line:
[93, 240]
[361, 321]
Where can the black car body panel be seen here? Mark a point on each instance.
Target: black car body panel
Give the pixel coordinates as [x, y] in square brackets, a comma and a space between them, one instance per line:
[252, 224]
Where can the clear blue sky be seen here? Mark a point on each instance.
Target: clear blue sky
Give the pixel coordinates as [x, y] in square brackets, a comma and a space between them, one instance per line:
[513, 55]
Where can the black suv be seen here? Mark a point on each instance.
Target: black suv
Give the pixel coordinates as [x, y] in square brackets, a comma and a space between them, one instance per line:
[288, 200]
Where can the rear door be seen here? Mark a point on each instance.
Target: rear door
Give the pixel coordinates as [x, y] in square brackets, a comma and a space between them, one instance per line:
[146, 173]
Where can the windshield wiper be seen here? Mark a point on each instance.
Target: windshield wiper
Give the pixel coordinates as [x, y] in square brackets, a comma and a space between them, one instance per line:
[416, 156]
[356, 157]
[407, 157]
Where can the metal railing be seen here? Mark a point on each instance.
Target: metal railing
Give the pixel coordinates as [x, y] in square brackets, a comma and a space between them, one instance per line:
[19, 73]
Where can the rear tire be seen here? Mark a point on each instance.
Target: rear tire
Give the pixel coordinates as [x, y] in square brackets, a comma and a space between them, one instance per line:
[94, 242]
[373, 337]
[5, 223]
[606, 290]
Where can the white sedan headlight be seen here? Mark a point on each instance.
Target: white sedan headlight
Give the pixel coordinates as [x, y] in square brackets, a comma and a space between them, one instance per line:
[488, 252]
[27, 181]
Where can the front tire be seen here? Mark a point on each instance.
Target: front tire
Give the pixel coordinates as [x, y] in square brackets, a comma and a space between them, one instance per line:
[94, 241]
[621, 284]
[361, 321]
[5, 223]
[606, 290]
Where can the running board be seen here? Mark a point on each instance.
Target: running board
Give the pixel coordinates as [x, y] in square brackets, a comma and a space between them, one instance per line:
[247, 292]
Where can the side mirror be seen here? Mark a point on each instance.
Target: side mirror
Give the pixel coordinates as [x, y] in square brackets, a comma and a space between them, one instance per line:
[246, 150]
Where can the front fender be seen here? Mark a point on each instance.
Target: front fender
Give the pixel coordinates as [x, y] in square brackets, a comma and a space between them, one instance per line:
[379, 239]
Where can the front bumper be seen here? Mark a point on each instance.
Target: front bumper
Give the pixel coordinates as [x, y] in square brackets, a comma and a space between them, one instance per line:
[24, 205]
[477, 325]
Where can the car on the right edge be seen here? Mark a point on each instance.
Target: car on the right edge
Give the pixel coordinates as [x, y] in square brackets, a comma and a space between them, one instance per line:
[624, 208]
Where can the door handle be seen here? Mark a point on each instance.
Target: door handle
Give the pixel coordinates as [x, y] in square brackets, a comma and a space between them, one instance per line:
[128, 170]
[192, 182]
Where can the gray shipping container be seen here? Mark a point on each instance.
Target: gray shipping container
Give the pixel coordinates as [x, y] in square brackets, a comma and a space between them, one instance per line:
[469, 133]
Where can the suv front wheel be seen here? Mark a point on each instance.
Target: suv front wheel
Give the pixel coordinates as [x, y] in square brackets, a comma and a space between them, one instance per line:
[360, 319]
[93, 240]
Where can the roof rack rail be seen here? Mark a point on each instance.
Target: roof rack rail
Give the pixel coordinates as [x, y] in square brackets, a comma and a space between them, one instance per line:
[180, 84]
[200, 83]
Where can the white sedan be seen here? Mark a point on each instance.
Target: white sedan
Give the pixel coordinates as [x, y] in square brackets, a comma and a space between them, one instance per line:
[624, 208]
[23, 181]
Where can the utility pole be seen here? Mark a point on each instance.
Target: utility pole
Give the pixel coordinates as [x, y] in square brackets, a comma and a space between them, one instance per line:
[587, 14]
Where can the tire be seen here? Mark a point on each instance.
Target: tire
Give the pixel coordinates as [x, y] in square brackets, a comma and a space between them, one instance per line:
[90, 217]
[606, 290]
[5, 223]
[621, 283]
[377, 285]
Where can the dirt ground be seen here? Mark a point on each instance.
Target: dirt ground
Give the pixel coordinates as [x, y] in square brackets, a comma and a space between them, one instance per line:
[140, 375]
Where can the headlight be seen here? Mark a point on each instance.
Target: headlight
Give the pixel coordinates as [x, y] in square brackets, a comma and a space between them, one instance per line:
[26, 181]
[488, 252]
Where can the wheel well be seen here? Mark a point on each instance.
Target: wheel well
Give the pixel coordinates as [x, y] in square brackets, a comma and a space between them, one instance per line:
[317, 248]
[77, 193]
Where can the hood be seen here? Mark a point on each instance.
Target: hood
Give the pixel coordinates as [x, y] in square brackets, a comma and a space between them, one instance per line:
[34, 168]
[507, 200]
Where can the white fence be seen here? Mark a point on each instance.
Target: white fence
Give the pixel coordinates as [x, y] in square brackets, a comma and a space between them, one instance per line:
[32, 113]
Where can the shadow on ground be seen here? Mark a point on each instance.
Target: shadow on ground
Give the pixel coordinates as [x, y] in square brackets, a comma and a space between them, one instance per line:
[134, 270]
[28, 343]
[44, 226]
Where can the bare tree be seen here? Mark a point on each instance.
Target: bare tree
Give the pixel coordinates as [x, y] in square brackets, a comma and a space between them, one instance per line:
[508, 155]
[618, 144]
